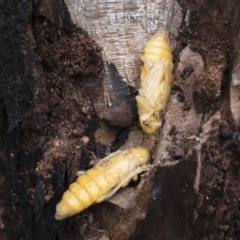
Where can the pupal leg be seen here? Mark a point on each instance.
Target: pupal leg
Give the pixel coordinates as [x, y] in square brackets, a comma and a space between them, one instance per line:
[79, 173]
[135, 178]
[126, 183]
[103, 161]
[108, 158]
[123, 183]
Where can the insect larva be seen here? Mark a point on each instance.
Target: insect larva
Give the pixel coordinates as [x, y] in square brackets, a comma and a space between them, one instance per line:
[156, 81]
[102, 181]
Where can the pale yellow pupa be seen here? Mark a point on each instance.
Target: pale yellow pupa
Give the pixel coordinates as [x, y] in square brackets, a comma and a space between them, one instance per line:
[102, 181]
[156, 81]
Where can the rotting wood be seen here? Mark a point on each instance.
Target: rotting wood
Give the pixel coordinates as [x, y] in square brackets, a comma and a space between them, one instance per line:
[32, 108]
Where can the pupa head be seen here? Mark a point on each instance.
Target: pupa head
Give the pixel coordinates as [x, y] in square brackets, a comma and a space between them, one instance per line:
[150, 123]
[141, 153]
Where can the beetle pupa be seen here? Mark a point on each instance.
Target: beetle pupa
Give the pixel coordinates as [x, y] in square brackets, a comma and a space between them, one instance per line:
[102, 181]
[155, 81]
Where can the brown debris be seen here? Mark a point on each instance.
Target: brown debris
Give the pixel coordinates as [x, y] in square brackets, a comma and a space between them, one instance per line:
[120, 116]
[175, 152]
[124, 198]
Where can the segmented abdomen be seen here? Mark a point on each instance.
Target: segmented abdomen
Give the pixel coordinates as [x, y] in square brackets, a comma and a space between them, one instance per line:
[94, 184]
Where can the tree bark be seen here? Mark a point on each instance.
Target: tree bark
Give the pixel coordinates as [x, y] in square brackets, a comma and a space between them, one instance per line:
[52, 81]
